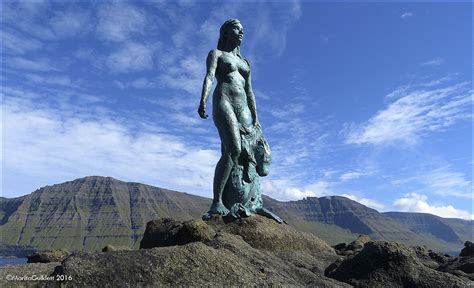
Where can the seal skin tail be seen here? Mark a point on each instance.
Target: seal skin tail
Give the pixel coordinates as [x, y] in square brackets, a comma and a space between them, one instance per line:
[267, 213]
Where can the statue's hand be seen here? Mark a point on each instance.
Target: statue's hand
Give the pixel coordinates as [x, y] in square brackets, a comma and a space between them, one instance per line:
[257, 125]
[202, 111]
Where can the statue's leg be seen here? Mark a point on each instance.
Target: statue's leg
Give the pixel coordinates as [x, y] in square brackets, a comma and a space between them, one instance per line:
[228, 127]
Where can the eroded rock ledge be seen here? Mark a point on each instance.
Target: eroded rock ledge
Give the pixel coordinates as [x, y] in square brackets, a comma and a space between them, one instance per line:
[256, 251]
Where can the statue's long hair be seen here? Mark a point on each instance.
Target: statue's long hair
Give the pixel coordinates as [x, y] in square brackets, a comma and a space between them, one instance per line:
[222, 38]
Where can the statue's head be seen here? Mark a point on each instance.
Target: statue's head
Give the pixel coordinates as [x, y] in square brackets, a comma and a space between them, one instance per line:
[263, 157]
[231, 30]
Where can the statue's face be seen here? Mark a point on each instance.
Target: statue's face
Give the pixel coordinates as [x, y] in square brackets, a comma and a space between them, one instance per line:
[235, 32]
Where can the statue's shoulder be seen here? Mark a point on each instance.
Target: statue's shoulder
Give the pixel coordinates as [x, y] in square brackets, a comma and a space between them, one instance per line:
[215, 53]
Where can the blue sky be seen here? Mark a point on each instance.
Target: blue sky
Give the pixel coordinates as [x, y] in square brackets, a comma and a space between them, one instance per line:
[371, 100]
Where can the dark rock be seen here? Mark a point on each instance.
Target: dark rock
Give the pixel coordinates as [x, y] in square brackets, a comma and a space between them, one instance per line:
[353, 248]
[168, 232]
[389, 264]
[430, 258]
[112, 248]
[48, 256]
[160, 233]
[217, 254]
[266, 234]
[27, 270]
[359, 243]
[340, 246]
[463, 266]
[195, 230]
[468, 250]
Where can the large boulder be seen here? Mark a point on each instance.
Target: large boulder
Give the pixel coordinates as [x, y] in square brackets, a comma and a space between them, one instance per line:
[389, 264]
[352, 248]
[431, 258]
[358, 243]
[48, 256]
[259, 232]
[211, 253]
[169, 232]
[460, 266]
[266, 234]
[468, 250]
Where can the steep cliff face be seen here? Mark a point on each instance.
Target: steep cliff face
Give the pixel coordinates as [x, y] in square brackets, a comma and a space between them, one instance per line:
[89, 213]
[423, 223]
[8, 206]
[338, 219]
[92, 212]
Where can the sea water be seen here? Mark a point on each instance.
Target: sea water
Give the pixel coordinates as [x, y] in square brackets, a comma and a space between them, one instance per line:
[12, 261]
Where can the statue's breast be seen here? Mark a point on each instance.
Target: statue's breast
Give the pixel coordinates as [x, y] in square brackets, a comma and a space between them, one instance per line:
[228, 63]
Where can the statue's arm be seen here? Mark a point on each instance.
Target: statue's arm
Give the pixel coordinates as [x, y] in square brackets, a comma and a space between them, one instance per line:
[211, 65]
[251, 97]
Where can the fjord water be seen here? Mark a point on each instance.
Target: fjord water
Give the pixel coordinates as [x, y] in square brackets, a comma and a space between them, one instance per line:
[12, 261]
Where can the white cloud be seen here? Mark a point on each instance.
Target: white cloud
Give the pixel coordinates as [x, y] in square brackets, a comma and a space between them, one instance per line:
[434, 62]
[47, 145]
[406, 15]
[445, 182]
[274, 24]
[41, 64]
[419, 203]
[442, 181]
[32, 15]
[285, 190]
[131, 57]
[17, 43]
[120, 21]
[62, 80]
[290, 110]
[351, 175]
[70, 23]
[188, 75]
[372, 203]
[416, 113]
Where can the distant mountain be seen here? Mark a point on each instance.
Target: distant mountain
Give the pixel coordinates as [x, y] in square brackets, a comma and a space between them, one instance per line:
[447, 229]
[92, 212]
[338, 219]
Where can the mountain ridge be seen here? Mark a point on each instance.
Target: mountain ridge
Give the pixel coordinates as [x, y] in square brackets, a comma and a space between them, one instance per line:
[91, 212]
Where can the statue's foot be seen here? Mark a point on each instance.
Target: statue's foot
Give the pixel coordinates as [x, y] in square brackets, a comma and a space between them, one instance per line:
[218, 208]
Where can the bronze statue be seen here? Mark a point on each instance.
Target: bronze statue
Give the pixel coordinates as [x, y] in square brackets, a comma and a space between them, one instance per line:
[245, 152]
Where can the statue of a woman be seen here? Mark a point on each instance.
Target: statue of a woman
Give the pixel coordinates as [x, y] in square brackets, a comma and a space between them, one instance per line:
[236, 188]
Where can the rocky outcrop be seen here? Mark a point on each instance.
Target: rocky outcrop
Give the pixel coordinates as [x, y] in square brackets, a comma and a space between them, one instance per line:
[468, 250]
[431, 258]
[48, 256]
[112, 248]
[254, 251]
[463, 265]
[460, 266]
[27, 275]
[389, 264]
[169, 232]
[247, 252]
[352, 248]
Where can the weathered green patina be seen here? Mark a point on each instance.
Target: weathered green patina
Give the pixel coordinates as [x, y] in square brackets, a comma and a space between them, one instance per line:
[245, 151]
